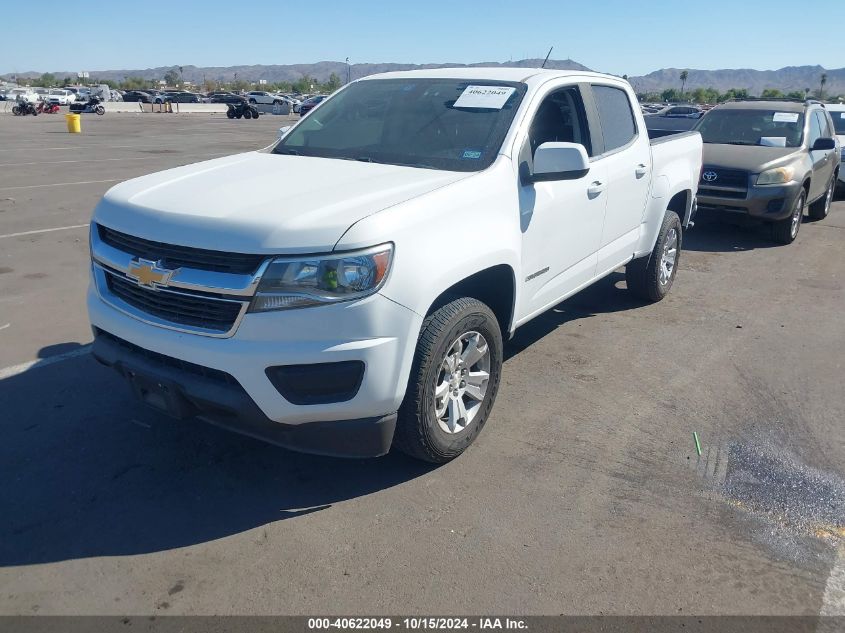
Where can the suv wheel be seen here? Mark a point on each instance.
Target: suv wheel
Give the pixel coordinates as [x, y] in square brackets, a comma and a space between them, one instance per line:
[821, 207]
[453, 383]
[785, 231]
[651, 277]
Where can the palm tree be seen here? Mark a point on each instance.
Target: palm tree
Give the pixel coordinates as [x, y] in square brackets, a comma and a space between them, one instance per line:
[684, 75]
[822, 82]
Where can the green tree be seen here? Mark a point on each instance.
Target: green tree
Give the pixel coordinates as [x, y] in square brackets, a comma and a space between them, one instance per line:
[670, 94]
[47, 80]
[772, 93]
[822, 82]
[171, 77]
[796, 94]
[684, 77]
[333, 83]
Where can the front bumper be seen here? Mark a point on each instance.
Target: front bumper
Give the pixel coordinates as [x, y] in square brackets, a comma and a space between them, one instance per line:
[770, 202]
[184, 391]
[375, 331]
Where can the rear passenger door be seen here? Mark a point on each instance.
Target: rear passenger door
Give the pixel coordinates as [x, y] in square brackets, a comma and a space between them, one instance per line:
[625, 156]
[824, 162]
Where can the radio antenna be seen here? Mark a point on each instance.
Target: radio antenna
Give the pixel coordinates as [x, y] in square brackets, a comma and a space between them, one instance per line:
[547, 57]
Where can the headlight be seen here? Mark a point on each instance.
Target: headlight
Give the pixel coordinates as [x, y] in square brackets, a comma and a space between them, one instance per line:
[297, 282]
[776, 176]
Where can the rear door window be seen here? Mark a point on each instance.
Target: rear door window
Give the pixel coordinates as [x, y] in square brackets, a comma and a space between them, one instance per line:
[617, 118]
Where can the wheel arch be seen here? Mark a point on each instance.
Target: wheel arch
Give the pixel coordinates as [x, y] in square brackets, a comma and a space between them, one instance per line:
[494, 286]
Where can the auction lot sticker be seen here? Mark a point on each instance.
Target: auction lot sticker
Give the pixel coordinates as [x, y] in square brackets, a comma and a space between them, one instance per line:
[490, 97]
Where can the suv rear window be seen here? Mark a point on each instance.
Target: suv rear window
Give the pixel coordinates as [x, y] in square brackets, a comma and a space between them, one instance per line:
[838, 121]
[752, 127]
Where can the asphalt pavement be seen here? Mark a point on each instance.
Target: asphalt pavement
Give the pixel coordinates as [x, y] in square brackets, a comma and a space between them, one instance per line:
[583, 495]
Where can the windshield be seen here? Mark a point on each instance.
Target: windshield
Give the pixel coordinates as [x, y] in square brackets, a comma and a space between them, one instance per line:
[753, 127]
[838, 122]
[445, 124]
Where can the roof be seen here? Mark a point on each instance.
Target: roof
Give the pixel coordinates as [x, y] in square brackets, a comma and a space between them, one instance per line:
[774, 104]
[488, 73]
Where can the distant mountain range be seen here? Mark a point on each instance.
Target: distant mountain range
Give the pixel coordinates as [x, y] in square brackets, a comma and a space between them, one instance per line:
[786, 79]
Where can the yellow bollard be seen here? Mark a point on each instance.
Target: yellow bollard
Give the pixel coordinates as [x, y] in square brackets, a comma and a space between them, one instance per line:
[74, 124]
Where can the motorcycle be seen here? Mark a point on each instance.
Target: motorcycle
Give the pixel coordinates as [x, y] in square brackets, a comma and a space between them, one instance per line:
[47, 108]
[242, 109]
[23, 107]
[92, 105]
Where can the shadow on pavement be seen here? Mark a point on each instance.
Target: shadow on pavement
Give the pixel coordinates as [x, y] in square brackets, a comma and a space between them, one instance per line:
[603, 297]
[88, 472]
[727, 235]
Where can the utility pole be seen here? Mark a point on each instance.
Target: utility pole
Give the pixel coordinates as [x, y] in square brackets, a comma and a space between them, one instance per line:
[348, 71]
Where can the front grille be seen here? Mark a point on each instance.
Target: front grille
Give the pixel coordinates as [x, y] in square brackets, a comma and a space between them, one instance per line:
[168, 361]
[193, 310]
[721, 193]
[173, 256]
[725, 178]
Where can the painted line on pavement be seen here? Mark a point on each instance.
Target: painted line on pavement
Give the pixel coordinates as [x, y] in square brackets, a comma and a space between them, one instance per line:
[58, 228]
[62, 184]
[14, 370]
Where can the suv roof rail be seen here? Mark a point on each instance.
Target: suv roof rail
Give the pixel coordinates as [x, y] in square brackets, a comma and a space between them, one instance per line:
[788, 99]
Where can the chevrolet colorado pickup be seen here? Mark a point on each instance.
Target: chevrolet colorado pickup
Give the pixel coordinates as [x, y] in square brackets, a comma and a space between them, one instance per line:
[348, 289]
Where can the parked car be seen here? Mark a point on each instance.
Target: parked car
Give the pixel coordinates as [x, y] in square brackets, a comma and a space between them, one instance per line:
[311, 103]
[22, 94]
[679, 112]
[837, 114]
[267, 98]
[309, 296]
[61, 96]
[42, 93]
[225, 97]
[769, 160]
[179, 96]
[137, 96]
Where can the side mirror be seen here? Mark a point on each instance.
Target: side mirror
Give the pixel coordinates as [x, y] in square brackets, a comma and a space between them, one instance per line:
[283, 130]
[823, 145]
[560, 161]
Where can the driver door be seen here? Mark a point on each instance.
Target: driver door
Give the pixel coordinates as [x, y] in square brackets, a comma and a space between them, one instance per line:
[561, 220]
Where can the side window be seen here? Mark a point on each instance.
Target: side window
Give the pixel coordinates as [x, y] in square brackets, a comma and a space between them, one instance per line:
[815, 129]
[823, 124]
[560, 118]
[617, 119]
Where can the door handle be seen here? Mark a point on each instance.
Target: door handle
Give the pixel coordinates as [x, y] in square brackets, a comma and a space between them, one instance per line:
[595, 188]
[641, 170]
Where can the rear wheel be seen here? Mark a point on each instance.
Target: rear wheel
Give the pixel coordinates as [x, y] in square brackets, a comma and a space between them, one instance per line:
[785, 231]
[821, 207]
[651, 277]
[453, 382]
[248, 114]
[230, 113]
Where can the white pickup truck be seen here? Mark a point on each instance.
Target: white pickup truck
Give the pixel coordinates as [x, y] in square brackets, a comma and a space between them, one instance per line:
[348, 289]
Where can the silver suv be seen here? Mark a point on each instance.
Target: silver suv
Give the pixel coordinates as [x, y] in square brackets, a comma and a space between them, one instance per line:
[770, 160]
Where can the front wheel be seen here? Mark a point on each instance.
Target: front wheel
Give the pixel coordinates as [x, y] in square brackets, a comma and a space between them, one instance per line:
[785, 231]
[453, 383]
[651, 277]
[255, 113]
[16, 110]
[247, 114]
[230, 113]
[100, 110]
[821, 207]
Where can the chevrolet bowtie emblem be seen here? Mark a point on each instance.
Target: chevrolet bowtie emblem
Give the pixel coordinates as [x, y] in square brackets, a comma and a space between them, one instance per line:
[150, 274]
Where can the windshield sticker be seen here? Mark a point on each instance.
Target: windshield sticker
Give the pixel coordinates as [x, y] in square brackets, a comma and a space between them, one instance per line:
[785, 117]
[471, 154]
[490, 97]
[773, 141]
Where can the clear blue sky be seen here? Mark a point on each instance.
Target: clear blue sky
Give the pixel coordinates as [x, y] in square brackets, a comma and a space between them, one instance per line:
[621, 37]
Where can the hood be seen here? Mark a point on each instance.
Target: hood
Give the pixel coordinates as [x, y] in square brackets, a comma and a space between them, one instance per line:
[262, 203]
[751, 158]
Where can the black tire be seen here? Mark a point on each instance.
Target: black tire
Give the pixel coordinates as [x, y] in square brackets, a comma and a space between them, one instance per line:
[255, 113]
[418, 431]
[821, 207]
[238, 115]
[16, 110]
[230, 113]
[643, 275]
[100, 110]
[248, 113]
[785, 231]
